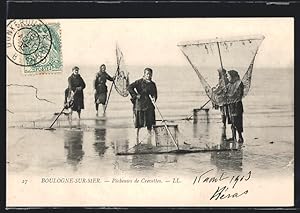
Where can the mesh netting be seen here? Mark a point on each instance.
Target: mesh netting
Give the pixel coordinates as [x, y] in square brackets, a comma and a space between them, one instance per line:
[207, 56]
[162, 138]
[121, 81]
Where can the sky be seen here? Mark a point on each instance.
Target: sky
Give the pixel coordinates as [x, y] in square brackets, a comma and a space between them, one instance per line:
[154, 41]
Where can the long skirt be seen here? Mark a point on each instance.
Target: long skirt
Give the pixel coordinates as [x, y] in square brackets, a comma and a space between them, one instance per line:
[144, 118]
[237, 122]
[236, 115]
[78, 100]
[100, 98]
[78, 104]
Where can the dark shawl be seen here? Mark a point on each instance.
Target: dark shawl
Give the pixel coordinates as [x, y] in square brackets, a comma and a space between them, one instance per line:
[100, 82]
[74, 82]
[143, 88]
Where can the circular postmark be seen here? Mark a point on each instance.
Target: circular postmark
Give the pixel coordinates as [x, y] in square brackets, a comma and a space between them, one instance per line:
[28, 41]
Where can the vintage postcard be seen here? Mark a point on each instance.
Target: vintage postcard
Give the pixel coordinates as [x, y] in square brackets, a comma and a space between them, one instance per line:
[181, 112]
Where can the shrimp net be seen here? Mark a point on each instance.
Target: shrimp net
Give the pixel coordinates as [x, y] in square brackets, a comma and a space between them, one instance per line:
[235, 53]
[121, 81]
[162, 137]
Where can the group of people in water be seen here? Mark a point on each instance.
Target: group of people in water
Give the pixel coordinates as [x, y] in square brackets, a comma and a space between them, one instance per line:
[74, 99]
[143, 94]
[143, 108]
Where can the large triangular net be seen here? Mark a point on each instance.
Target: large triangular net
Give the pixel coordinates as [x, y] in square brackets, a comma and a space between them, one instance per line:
[235, 53]
[121, 81]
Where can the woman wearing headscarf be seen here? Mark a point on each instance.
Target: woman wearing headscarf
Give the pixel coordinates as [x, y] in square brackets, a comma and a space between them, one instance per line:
[75, 88]
[235, 92]
[101, 88]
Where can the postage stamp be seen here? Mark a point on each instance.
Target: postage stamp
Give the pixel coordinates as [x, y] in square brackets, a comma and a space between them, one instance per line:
[188, 117]
[34, 45]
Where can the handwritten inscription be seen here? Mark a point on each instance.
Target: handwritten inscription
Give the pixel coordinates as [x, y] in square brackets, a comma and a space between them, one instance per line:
[220, 193]
[228, 182]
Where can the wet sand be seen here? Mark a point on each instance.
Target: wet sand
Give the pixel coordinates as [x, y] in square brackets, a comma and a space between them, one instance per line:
[92, 149]
[267, 151]
[89, 154]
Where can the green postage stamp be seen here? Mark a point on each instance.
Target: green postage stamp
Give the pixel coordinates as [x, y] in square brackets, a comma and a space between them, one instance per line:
[35, 46]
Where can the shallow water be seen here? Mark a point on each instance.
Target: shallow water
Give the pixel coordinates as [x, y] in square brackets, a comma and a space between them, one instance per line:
[92, 152]
[35, 154]
[268, 129]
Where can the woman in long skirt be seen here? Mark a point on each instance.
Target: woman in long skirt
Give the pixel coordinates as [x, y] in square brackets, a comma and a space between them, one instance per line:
[143, 108]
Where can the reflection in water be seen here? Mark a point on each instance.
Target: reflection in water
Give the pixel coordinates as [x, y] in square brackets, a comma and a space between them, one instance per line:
[119, 141]
[121, 145]
[73, 145]
[100, 137]
[201, 130]
[200, 115]
[231, 160]
[166, 159]
[146, 161]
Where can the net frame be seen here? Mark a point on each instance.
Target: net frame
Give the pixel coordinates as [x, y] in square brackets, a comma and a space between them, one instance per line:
[209, 44]
[121, 81]
[162, 138]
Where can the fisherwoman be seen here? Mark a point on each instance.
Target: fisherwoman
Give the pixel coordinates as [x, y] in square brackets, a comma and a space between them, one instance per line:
[220, 96]
[76, 86]
[235, 94]
[143, 108]
[101, 88]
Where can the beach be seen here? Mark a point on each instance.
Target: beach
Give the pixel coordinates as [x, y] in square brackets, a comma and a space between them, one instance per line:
[91, 151]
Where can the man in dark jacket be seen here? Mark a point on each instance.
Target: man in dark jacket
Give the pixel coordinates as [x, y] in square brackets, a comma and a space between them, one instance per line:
[101, 88]
[76, 85]
[143, 109]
